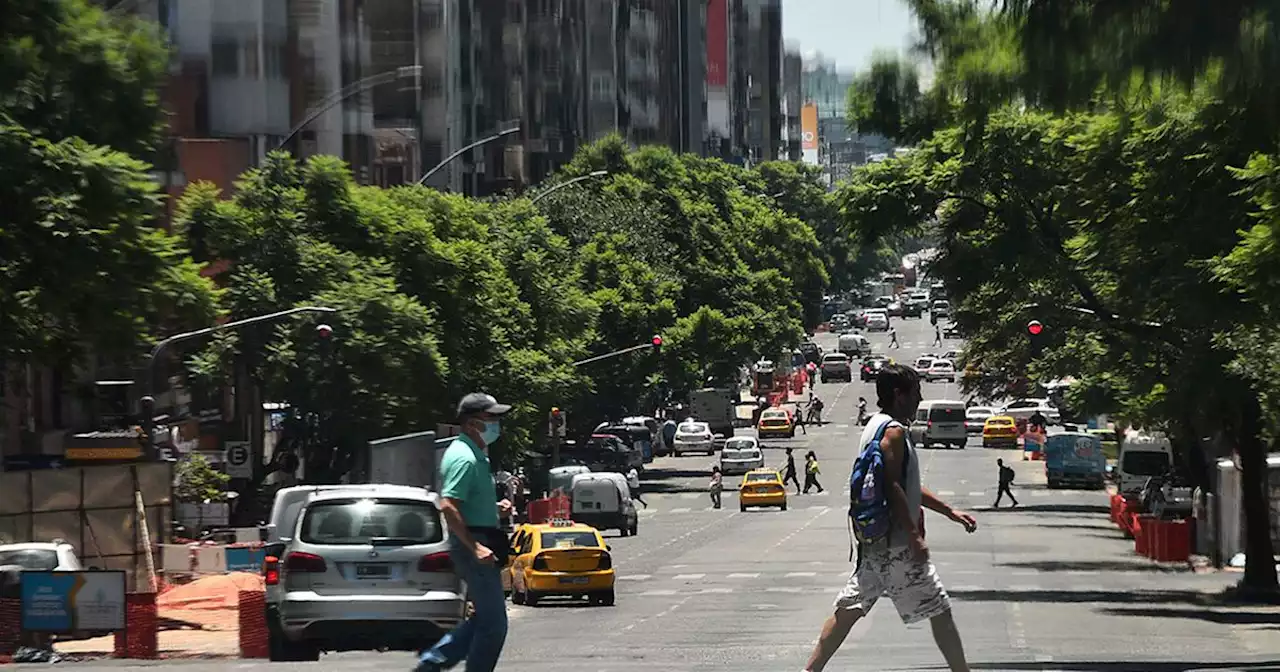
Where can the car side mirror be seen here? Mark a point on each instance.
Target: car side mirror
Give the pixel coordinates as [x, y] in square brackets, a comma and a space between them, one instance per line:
[608, 547]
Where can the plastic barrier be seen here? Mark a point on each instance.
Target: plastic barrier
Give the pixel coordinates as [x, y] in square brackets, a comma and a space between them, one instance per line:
[139, 637]
[10, 627]
[1176, 539]
[254, 641]
[1142, 532]
[1155, 531]
[1116, 502]
[538, 511]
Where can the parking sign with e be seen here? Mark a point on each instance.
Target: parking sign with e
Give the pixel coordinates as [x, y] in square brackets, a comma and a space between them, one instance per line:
[238, 459]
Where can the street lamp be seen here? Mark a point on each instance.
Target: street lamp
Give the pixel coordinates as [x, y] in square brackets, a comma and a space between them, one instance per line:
[405, 72]
[562, 185]
[148, 402]
[484, 141]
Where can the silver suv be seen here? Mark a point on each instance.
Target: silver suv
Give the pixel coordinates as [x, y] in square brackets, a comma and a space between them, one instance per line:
[363, 571]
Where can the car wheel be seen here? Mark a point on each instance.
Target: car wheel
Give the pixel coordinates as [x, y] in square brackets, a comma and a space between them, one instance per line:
[517, 597]
[531, 598]
[742, 508]
[783, 507]
[635, 529]
[623, 531]
[609, 598]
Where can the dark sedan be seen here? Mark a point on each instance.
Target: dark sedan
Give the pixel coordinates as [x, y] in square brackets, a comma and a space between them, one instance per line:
[871, 367]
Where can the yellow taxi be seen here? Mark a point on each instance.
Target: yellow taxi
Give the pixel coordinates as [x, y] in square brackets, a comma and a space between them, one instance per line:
[776, 422]
[999, 431]
[559, 559]
[762, 487]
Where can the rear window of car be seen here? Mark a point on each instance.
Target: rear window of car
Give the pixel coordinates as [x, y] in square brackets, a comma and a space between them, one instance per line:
[946, 414]
[693, 428]
[1000, 422]
[835, 359]
[762, 478]
[362, 521]
[739, 445]
[924, 362]
[570, 539]
[31, 558]
[740, 453]
[946, 366]
[979, 413]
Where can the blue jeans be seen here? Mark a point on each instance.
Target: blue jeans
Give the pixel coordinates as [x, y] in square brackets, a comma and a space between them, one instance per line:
[480, 638]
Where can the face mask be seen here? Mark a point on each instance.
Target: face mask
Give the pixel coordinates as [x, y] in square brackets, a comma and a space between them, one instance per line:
[492, 430]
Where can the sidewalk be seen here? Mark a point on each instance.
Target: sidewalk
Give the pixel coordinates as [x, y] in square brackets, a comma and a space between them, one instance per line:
[189, 633]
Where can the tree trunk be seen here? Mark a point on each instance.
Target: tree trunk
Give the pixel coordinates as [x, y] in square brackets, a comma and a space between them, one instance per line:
[1260, 565]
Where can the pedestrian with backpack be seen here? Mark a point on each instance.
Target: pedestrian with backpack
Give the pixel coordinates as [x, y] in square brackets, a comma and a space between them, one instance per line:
[1006, 479]
[887, 503]
[811, 472]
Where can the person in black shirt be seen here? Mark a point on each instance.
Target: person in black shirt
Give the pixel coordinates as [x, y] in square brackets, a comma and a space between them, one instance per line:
[1006, 478]
[789, 472]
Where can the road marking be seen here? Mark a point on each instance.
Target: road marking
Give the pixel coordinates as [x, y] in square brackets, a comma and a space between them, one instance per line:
[1044, 658]
[690, 495]
[784, 589]
[1024, 587]
[978, 493]
[683, 509]
[967, 571]
[1025, 572]
[1086, 588]
[967, 588]
[1083, 572]
[717, 591]
[946, 493]
[656, 593]
[635, 577]
[791, 575]
[1041, 493]
[688, 577]
[745, 575]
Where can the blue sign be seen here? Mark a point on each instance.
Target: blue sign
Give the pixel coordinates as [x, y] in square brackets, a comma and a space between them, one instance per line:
[245, 559]
[64, 602]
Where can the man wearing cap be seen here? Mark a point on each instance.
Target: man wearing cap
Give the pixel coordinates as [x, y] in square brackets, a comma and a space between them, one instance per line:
[477, 545]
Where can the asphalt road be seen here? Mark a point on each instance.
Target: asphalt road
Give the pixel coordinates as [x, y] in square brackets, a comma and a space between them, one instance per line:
[1050, 585]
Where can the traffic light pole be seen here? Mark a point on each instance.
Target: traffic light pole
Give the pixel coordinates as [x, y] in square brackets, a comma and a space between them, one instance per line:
[618, 353]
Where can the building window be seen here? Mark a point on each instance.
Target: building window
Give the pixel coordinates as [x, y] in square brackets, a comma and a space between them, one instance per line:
[225, 58]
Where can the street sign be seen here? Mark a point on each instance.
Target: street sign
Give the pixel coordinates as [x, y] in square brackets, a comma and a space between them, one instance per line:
[238, 459]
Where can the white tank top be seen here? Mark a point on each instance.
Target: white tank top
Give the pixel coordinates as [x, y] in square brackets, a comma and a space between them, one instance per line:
[910, 483]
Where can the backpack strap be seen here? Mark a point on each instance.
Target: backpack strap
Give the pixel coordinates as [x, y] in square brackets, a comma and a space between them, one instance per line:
[876, 438]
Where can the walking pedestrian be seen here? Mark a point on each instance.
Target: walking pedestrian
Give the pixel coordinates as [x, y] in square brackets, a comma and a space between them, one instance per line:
[798, 419]
[897, 565]
[789, 472]
[811, 472]
[1006, 479]
[893, 338]
[937, 335]
[477, 547]
[717, 486]
[633, 484]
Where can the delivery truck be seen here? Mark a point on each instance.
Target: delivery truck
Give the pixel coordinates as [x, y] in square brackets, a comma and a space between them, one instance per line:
[1074, 459]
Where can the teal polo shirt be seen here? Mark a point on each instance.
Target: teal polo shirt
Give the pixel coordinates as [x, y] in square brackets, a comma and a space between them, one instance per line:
[466, 478]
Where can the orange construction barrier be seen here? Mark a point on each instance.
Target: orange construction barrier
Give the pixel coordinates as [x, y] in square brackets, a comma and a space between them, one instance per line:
[1156, 532]
[254, 641]
[1142, 532]
[1176, 546]
[139, 638]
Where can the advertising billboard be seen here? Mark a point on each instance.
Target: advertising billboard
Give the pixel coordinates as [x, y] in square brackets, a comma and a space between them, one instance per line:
[717, 44]
[809, 133]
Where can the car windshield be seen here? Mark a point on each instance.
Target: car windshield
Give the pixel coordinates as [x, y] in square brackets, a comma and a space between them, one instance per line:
[945, 366]
[362, 521]
[739, 444]
[1145, 463]
[1000, 422]
[570, 539]
[946, 414]
[978, 412]
[38, 559]
[761, 478]
[740, 453]
[693, 428]
[924, 363]
[774, 415]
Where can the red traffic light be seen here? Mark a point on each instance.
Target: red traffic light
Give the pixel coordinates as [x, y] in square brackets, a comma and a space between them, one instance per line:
[555, 412]
[657, 341]
[1035, 328]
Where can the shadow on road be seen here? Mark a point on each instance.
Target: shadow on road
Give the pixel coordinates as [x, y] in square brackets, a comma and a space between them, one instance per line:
[1091, 566]
[1086, 596]
[1237, 617]
[1101, 527]
[1123, 666]
[660, 474]
[1055, 508]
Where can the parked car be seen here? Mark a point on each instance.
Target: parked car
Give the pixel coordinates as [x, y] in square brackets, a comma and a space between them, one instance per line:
[836, 366]
[975, 417]
[693, 437]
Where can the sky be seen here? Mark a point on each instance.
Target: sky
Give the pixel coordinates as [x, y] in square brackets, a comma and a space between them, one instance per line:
[847, 31]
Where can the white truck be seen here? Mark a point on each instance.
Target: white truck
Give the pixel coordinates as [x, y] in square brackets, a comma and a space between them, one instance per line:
[714, 406]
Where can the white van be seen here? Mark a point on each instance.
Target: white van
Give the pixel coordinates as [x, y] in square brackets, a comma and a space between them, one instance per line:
[603, 501]
[854, 345]
[939, 422]
[1142, 455]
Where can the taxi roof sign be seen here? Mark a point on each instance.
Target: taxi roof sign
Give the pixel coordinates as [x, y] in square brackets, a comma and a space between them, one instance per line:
[560, 522]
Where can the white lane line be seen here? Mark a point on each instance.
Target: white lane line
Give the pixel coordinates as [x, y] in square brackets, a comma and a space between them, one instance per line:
[1082, 572]
[967, 588]
[792, 575]
[688, 577]
[1024, 587]
[784, 589]
[683, 509]
[1025, 572]
[978, 493]
[716, 591]
[946, 493]
[656, 593]
[745, 575]
[635, 577]
[1044, 658]
[1041, 493]
[690, 495]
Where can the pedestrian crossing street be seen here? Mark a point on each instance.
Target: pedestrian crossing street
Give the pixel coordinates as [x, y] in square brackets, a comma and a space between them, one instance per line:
[700, 502]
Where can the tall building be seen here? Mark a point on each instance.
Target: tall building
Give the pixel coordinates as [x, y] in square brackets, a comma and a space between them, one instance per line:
[792, 105]
[838, 149]
[761, 61]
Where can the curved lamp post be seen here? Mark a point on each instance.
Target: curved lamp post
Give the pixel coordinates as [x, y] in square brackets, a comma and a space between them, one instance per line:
[484, 141]
[147, 403]
[406, 72]
[567, 183]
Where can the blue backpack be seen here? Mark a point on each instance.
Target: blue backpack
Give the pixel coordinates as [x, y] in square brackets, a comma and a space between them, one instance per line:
[868, 495]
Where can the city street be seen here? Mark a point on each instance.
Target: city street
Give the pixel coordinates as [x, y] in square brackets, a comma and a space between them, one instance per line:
[1050, 585]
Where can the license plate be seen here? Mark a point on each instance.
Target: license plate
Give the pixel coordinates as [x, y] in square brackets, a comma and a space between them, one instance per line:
[762, 491]
[573, 580]
[373, 571]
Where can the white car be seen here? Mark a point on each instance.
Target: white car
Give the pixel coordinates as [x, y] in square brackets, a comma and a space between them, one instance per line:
[941, 369]
[740, 455]
[975, 418]
[877, 322]
[693, 437]
[41, 556]
[364, 571]
[1023, 409]
[923, 364]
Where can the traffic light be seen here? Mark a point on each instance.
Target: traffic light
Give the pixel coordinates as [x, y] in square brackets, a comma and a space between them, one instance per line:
[556, 423]
[1036, 334]
[657, 345]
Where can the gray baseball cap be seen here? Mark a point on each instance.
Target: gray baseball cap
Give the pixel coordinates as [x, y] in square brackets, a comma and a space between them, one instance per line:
[479, 402]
